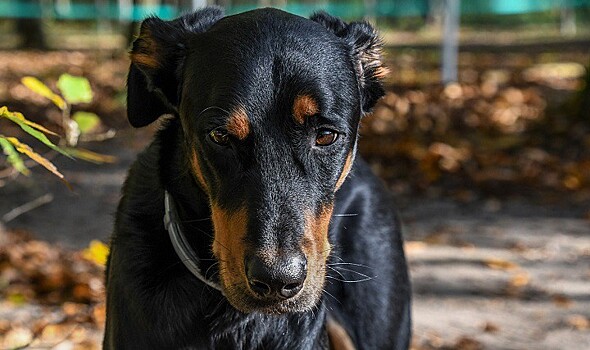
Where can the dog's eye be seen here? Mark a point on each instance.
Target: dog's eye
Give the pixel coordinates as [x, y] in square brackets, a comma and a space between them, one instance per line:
[219, 136]
[325, 137]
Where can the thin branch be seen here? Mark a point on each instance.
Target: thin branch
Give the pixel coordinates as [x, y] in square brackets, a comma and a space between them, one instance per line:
[22, 209]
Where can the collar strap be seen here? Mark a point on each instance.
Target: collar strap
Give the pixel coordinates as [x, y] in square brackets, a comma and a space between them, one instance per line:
[185, 252]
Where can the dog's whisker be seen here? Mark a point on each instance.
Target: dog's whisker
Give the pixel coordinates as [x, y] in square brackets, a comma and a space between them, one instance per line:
[210, 267]
[350, 264]
[350, 281]
[353, 271]
[345, 215]
[195, 220]
[333, 297]
[338, 272]
[339, 258]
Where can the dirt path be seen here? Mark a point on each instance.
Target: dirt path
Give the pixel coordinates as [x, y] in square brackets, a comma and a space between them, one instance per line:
[499, 275]
[490, 275]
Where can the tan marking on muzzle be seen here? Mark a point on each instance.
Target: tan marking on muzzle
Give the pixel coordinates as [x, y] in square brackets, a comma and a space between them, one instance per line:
[196, 169]
[316, 244]
[345, 171]
[238, 123]
[228, 245]
[303, 107]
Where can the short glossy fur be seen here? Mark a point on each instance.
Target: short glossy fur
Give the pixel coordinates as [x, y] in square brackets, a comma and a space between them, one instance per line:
[258, 154]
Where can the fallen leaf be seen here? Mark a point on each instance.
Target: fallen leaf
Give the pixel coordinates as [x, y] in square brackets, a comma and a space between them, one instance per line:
[490, 327]
[561, 300]
[414, 246]
[500, 264]
[579, 322]
[520, 279]
[17, 338]
[96, 252]
[467, 343]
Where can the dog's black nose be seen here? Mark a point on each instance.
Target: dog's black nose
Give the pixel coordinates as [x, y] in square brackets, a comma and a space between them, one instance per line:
[283, 279]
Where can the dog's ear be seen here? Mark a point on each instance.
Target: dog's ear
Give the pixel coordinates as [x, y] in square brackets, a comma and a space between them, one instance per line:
[365, 46]
[157, 57]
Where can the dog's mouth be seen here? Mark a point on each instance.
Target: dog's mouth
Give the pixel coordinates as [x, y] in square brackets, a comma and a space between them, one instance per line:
[266, 278]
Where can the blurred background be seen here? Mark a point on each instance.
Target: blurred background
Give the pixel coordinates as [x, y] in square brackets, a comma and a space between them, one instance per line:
[483, 137]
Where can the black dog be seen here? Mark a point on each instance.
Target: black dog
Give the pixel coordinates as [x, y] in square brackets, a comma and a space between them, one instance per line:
[272, 239]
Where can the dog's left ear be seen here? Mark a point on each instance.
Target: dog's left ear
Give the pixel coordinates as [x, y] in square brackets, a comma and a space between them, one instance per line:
[157, 58]
[365, 46]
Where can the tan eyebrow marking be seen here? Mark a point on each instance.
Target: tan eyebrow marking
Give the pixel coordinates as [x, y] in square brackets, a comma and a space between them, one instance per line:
[303, 107]
[238, 123]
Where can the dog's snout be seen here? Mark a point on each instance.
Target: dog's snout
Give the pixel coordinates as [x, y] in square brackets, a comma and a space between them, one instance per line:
[283, 279]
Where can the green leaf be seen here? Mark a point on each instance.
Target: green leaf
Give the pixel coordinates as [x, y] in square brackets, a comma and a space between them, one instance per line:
[4, 112]
[75, 89]
[25, 149]
[22, 122]
[13, 157]
[38, 87]
[86, 121]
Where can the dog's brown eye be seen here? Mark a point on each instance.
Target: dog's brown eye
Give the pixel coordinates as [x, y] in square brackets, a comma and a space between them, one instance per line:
[325, 137]
[219, 136]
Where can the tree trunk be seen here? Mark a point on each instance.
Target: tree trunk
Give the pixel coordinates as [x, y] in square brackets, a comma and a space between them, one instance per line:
[31, 33]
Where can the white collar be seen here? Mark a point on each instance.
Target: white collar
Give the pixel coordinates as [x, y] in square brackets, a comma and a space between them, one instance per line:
[185, 252]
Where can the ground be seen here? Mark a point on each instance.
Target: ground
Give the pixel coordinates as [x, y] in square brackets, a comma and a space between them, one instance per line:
[495, 205]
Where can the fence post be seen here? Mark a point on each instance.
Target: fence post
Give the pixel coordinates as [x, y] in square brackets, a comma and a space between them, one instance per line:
[451, 20]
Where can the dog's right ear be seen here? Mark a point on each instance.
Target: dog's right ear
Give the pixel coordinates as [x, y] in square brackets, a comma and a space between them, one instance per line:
[157, 58]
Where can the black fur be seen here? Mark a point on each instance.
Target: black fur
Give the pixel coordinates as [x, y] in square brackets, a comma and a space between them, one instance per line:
[258, 61]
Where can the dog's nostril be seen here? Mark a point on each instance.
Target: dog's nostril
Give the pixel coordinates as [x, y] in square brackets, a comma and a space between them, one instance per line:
[291, 289]
[260, 288]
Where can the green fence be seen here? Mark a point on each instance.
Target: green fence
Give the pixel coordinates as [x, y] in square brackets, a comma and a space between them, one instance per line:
[80, 10]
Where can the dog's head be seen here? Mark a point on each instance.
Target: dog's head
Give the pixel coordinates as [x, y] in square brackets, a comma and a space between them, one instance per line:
[269, 105]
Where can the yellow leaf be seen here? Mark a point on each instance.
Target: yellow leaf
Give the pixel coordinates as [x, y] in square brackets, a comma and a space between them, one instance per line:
[25, 149]
[40, 88]
[90, 156]
[20, 117]
[97, 252]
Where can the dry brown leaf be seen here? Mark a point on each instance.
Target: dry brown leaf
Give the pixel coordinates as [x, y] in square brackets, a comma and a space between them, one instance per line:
[519, 280]
[579, 322]
[500, 264]
[414, 246]
[55, 333]
[17, 337]
[99, 313]
[490, 327]
[561, 300]
[467, 343]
